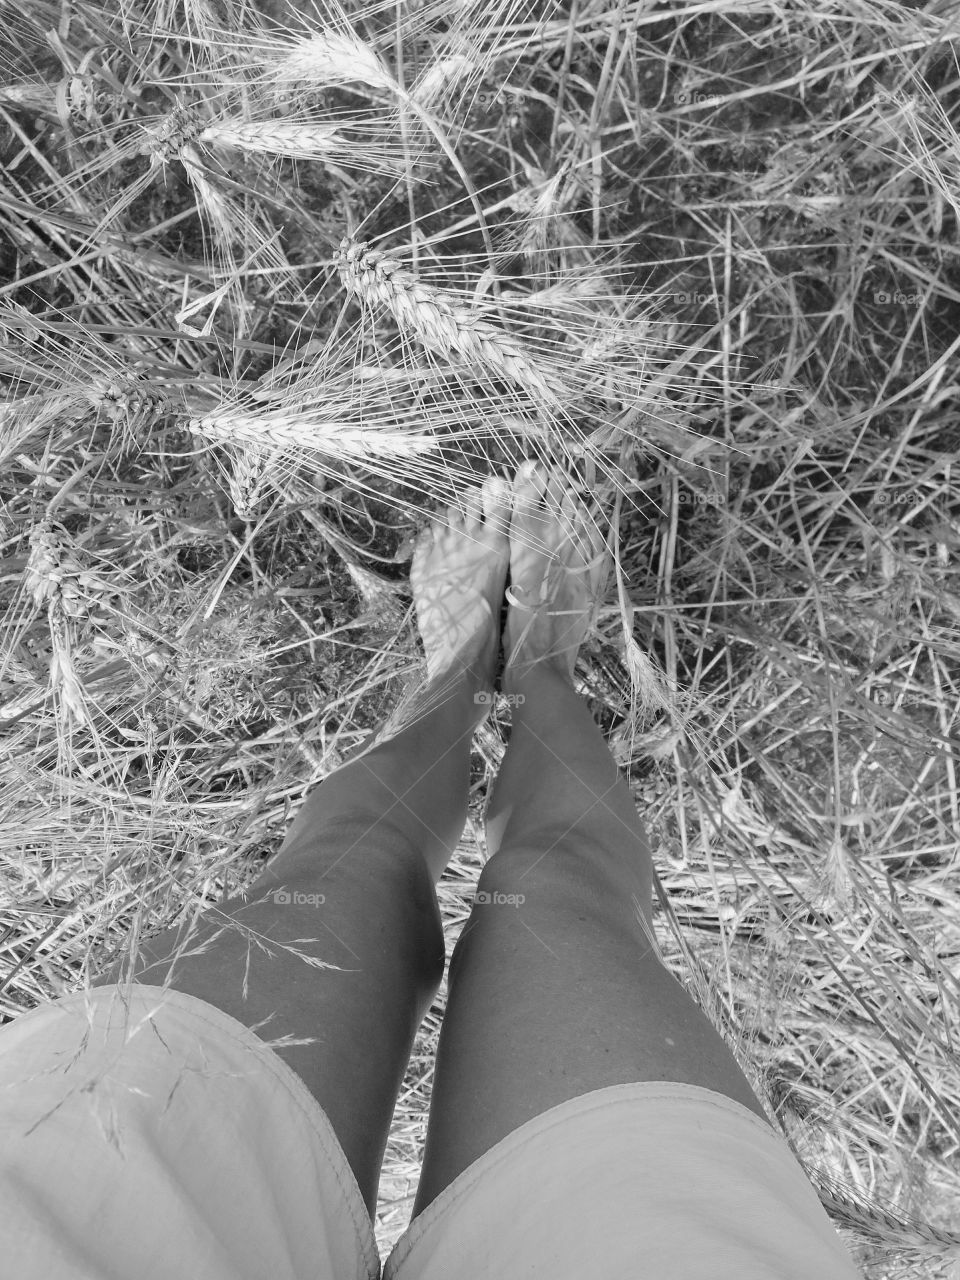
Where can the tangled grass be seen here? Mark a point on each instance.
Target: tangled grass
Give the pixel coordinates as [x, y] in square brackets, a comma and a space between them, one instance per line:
[274, 281]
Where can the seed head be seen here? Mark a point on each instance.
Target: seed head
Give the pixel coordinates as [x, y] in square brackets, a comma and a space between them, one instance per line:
[438, 77]
[274, 136]
[328, 57]
[306, 431]
[247, 476]
[53, 575]
[164, 141]
[55, 579]
[440, 321]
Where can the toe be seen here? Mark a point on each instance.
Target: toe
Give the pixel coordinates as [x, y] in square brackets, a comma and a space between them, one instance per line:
[527, 518]
[529, 484]
[454, 516]
[555, 488]
[496, 496]
[423, 543]
[473, 506]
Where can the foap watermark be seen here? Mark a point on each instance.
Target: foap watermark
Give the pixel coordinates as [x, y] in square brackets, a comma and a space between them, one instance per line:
[486, 699]
[497, 899]
[886, 298]
[297, 898]
[899, 498]
[502, 97]
[684, 98]
[893, 698]
[693, 497]
[689, 298]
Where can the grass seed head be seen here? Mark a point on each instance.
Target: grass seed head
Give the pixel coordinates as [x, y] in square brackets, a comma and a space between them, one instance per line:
[55, 579]
[127, 401]
[165, 141]
[325, 57]
[53, 573]
[306, 432]
[273, 136]
[247, 476]
[310, 140]
[37, 97]
[43, 573]
[379, 597]
[442, 76]
[442, 323]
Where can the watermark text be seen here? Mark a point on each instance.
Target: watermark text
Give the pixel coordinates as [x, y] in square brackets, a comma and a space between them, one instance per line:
[497, 899]
[297, 898]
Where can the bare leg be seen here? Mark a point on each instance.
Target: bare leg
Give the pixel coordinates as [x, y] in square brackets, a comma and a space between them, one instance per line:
[554, 990]
[359, 869]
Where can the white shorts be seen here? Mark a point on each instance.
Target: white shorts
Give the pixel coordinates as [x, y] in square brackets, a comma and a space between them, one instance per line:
[163, 1140]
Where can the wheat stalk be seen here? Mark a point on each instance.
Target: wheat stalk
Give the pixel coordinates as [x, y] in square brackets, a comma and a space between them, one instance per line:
[232, 223]
[439, 320]
[63, 674]
[20, 693]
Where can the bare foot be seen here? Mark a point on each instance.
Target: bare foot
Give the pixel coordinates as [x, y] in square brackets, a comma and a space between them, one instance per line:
[458, 575]
[558, 565]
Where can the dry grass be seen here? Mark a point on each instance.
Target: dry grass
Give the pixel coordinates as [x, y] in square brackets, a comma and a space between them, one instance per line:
[706, 257]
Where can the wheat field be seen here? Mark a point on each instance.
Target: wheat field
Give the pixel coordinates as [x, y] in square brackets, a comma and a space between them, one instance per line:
[277, 279]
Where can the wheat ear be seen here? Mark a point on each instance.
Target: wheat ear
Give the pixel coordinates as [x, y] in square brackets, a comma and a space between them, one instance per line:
[55, 579]
[300, 142]
[306, 431]
[281, 137]
[326, 57]
[441, 322]
[856, 1213]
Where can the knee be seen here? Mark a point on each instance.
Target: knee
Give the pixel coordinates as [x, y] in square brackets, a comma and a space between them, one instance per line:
[343, 839]
[361, 875]
[572, 869]
[568, 882]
